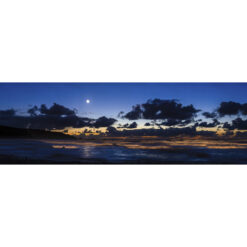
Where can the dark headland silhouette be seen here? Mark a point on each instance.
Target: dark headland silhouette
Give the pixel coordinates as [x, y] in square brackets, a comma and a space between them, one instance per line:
[10, 132]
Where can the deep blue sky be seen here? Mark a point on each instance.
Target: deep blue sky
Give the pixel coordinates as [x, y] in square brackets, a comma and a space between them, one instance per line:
[109, 99]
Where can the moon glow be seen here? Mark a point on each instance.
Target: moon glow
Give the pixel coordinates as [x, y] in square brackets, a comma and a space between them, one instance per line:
[88, 101]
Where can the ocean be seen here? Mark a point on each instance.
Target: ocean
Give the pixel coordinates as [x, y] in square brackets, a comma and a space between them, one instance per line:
[90, 152]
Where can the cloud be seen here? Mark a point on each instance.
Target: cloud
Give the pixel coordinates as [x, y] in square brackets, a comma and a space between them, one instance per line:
[244, 109]
[104, 122]
[128, 126]
[132, 125]
[187, 131]
[7, 113]
[226, 125]
[161, 113]
[209, 114]
[170, 110]
[46, 122]
[57, 110]
[54, 110]
[229, 108]
[112, 131]
[173, 122]
[120, 114]
[134, 114]
[33, 111]
[208, 125]
[167, 109]
[232, 108]
[170, 132]
[55, 117]
[237, 123]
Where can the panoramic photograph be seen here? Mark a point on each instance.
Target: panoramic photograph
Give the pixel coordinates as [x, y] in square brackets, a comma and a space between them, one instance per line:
[123, 123]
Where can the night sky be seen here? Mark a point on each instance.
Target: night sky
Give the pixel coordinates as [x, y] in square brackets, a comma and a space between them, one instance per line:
[109, 99]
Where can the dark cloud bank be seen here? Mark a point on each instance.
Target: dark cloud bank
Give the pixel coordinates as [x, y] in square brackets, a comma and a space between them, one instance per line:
[186, 131]
[170, 110]
[170, 116]
[55, 117]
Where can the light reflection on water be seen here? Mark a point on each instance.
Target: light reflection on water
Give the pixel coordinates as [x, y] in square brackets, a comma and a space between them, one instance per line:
[64, 146]
[112, 151]
[87, 151]
[154, 143]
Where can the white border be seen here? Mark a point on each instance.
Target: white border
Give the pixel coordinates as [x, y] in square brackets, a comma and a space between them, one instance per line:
[123, 41]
